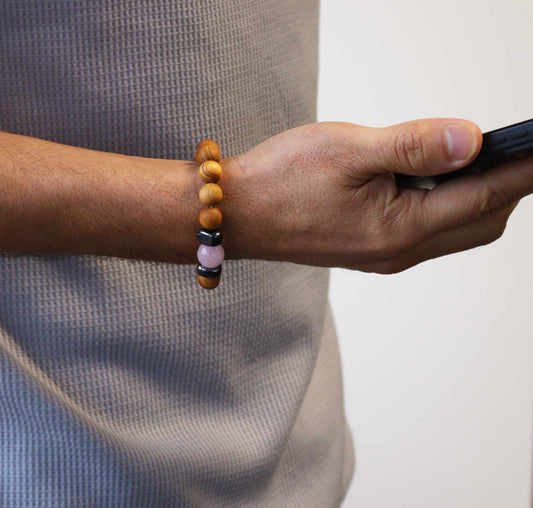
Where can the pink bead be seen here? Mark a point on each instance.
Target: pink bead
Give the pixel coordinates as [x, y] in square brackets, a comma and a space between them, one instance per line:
[210, 257]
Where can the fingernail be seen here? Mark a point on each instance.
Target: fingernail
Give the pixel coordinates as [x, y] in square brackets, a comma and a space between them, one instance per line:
[462, 141]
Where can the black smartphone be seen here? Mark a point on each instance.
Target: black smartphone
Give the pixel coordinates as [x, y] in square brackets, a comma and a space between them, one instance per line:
[498, 146]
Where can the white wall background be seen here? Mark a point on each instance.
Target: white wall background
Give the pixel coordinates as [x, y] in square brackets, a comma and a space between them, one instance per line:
[437, 359]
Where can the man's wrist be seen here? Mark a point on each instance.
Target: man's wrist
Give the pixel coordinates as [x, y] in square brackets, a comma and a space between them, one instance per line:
[64, 199]
[237, 212]
[162, 212]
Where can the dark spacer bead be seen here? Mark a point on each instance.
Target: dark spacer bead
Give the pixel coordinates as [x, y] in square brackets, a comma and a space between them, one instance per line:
[208, 273]
[210, 237]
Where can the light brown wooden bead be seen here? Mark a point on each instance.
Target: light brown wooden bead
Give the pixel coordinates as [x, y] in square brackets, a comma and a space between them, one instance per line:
[210, 171]
[204, 142]
[208, 283]
[210, 218]
[207, 150]
[210, 194]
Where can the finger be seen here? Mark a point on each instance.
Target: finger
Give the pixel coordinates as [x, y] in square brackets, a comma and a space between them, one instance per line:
[469, 236]
[472, 197]
[509, 210]
[420, 147]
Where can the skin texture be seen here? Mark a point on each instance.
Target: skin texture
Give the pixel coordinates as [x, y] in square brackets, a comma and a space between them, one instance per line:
[62, 199]
[324, 194]
[320, 194]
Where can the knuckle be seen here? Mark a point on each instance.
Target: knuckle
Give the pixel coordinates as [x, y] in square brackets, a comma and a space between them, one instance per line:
[491, 233]
[491, 201]
[508, 210]
[384, 246]
[409, 149]
[499, 229]
[389, 231]
[399, 229]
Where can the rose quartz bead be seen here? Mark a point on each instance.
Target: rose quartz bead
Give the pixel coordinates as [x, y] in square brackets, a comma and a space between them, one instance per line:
[210, 257]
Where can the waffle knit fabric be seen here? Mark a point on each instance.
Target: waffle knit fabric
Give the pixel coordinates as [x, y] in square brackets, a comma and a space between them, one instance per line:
[122, 382]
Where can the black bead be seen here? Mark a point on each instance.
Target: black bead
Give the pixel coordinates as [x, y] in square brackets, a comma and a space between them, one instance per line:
[210, 237]
[210, 273]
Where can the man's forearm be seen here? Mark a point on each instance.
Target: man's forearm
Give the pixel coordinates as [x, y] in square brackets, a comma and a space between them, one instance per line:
[58, 198]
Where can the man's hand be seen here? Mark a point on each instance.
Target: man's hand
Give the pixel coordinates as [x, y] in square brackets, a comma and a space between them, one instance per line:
[324, 194]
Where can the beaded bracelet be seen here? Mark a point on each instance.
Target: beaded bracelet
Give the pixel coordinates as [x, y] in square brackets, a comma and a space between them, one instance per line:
[210, 253]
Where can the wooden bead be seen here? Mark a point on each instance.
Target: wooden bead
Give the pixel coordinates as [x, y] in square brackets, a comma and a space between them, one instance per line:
[203, 143]
[207, 283]
[210, 218]
[210, 194]
[210, 171]
[206, 150]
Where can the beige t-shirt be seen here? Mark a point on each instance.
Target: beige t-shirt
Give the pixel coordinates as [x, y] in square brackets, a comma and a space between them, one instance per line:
[122, 382]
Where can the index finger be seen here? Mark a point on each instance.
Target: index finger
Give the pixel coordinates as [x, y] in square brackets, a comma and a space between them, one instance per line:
[473, 196]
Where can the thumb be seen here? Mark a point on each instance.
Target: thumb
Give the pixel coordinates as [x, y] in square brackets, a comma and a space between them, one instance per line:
[425, 147]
